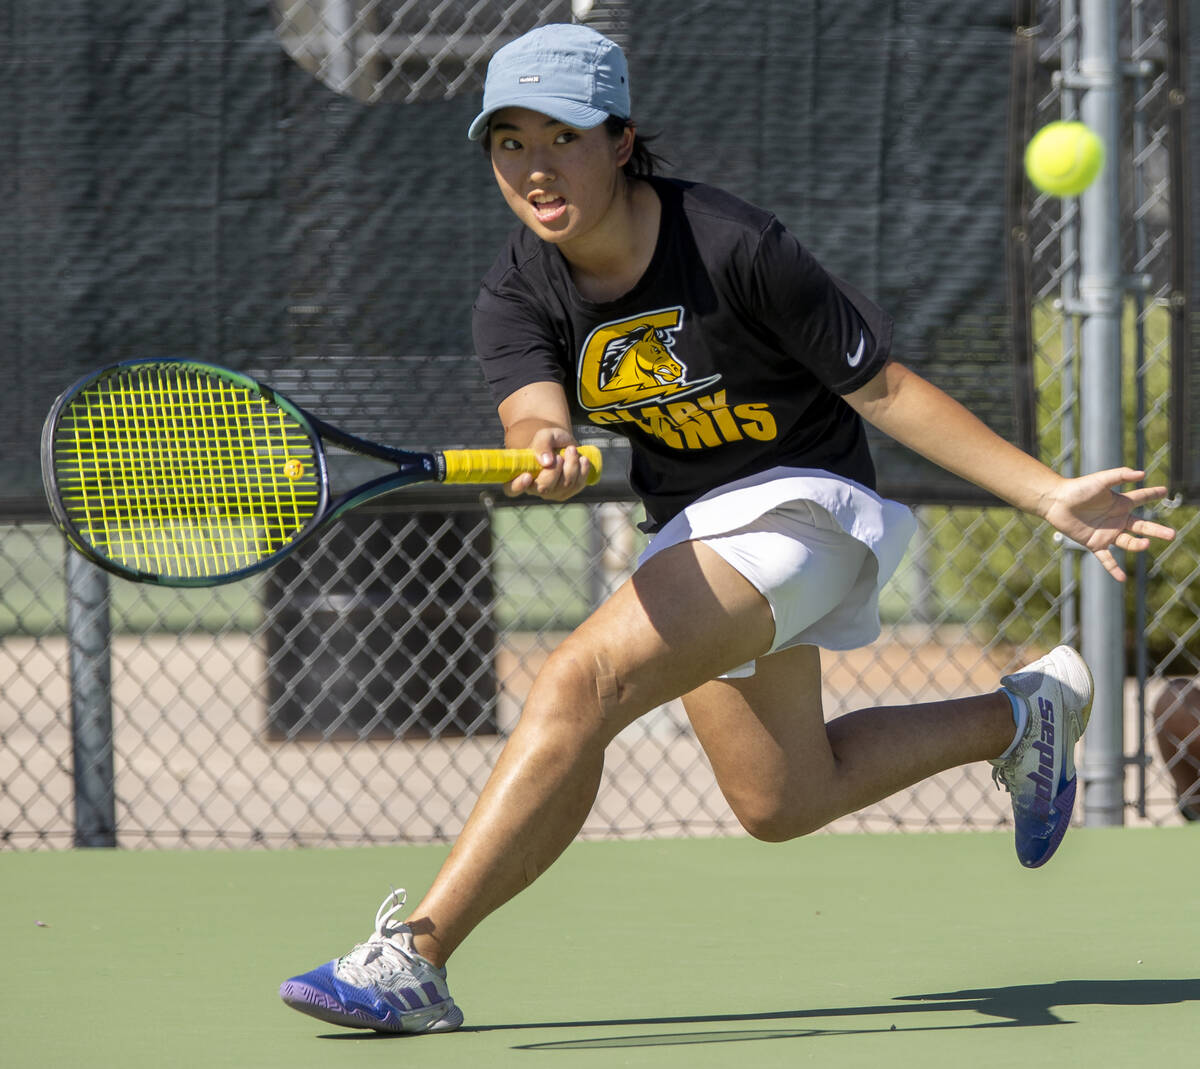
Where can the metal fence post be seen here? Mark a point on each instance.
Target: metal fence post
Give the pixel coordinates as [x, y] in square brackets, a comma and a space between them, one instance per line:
[91, 703]
[1068, 455]
[1100, 292]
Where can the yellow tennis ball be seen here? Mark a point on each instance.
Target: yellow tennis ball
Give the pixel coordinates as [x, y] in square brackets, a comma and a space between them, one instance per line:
[293, 469]
[1063, 158]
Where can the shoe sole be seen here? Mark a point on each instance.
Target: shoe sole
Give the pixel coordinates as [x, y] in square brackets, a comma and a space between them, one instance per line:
[1064, 806]
[444, 1017]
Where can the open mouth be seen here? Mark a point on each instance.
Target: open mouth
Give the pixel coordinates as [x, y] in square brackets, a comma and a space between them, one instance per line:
[547, 208]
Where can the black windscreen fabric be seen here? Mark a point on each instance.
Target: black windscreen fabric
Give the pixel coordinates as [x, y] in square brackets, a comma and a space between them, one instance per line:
[878, 132]
[175, 185]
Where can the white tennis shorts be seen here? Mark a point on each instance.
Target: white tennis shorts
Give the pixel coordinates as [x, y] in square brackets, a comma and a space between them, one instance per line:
[819, 548]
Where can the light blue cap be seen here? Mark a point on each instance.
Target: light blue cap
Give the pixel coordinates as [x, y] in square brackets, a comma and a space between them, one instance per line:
[571, 73]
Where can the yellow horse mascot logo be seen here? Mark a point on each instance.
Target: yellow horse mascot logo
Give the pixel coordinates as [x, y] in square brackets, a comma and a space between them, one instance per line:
[640, 360]
[631, 362]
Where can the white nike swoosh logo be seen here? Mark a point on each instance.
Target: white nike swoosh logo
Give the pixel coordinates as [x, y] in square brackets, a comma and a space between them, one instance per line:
[856, 359]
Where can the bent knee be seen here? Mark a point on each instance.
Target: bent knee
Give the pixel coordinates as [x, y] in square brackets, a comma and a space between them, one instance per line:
[771, 821]
[579, 690]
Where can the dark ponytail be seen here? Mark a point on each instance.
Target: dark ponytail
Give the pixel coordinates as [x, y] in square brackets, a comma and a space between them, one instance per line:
[642, 161]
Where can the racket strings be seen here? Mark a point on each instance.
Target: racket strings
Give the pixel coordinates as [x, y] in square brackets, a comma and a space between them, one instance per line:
[181, 473]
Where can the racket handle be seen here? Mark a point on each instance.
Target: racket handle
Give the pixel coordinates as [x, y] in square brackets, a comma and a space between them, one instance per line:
[504, 465]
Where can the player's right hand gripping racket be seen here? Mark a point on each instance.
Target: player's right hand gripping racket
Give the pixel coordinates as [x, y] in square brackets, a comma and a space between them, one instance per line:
[185, 474]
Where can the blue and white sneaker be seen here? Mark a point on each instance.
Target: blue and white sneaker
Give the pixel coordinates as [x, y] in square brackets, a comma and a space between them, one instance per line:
[382, 984]
[1038, 770]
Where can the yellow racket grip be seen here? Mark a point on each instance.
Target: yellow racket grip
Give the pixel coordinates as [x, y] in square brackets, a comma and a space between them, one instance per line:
[504, 465]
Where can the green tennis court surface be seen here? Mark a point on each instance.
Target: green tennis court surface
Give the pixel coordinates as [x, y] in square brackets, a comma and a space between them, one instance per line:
[856, 950]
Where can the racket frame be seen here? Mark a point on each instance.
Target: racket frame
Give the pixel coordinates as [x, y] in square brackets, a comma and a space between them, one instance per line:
[412, 467]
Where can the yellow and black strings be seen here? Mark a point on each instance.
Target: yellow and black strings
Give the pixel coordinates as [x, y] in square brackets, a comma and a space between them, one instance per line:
[175, 472]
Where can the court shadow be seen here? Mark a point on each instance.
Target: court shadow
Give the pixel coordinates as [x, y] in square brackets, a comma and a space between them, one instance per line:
[1034, 1004]
[1021, 1006]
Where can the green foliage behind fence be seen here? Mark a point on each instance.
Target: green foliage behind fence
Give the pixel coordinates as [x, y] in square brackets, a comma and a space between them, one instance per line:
[1010, 567]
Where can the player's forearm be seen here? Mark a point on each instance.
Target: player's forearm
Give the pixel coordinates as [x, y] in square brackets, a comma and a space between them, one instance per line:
[533, 410]
[521, 434]
[928, 421]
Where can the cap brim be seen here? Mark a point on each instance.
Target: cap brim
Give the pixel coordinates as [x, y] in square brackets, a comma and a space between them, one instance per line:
[571, 112]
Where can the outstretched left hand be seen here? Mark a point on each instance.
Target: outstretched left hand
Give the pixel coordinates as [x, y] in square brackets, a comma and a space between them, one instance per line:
[1090, 511]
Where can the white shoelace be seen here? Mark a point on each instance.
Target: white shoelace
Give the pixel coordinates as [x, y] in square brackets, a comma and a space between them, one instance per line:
[376, 960]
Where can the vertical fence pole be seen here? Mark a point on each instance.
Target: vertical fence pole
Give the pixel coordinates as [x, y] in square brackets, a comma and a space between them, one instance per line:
[88, 637]
[1141, 139]
[338, 19]
[1100, 292]
[1069, 243]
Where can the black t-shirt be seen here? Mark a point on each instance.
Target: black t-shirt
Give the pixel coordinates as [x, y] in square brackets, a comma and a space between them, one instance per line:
[728, 357]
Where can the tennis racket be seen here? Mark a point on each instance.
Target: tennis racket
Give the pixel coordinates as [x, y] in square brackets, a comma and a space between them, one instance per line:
[185, 474]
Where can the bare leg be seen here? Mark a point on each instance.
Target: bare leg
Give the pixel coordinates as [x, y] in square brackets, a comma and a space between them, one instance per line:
[683, 618]
[785, 772]
[685, 615]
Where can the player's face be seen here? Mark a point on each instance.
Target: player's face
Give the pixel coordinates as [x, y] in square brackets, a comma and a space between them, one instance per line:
[560, 181]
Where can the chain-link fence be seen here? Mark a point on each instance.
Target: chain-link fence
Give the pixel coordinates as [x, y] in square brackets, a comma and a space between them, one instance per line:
[406, 50]
[362, 692]
[1162, 735]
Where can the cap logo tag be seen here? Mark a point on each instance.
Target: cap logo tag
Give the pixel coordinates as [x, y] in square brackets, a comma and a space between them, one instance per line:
[528, 79]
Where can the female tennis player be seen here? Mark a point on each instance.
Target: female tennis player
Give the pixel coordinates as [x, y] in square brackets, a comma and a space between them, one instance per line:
[741, 372]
